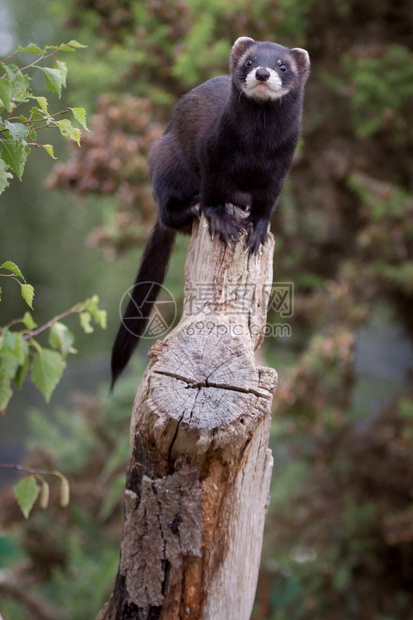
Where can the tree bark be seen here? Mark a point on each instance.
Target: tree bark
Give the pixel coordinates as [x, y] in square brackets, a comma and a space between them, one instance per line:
[198, 480]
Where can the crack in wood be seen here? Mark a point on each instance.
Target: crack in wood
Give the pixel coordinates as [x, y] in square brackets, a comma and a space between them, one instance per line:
[209, 384]
[174, 437]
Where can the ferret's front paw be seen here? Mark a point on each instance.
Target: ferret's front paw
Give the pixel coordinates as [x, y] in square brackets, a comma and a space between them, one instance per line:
[222, 223]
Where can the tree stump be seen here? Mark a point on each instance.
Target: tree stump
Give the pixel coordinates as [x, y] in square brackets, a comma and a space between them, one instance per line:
[198, 480]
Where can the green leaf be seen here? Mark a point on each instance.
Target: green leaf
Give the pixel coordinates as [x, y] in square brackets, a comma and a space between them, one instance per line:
[27, 292]
[54, 79]
[32, 135]
[22, 348]
[68, 131]
[15, 155]
[66, 48]
[30, 49]
[28, 321]
[22, 370]
[62, 67]
[12, 342]
[100, 316]
[26, 492]
[8, 365]
[80, 116]
[49, 149]
[14, 351]
[85, 321]
[13, 88]
[5, 175]
[11, 70]
[42, 101]
[10, 266]
[47, 370]
[37, 114]
[7, 340]
[18, 130]
[61, 338]
[5, 392]
[20, 87]
[21, 351]
[76, 44]
[5, 94]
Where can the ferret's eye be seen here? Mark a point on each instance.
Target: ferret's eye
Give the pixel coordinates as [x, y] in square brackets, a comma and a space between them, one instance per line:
[249, 62]
[283, 68]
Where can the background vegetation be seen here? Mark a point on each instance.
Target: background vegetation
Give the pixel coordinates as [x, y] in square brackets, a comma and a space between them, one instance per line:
[339, 536]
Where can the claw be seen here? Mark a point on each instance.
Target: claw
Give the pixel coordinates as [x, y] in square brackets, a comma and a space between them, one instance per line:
[257, 234]
[223, 224]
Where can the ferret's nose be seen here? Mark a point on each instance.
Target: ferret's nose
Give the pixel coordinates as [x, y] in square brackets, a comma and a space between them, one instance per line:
[262, 74]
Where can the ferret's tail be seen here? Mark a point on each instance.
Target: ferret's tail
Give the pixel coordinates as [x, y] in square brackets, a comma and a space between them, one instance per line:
[150, 276]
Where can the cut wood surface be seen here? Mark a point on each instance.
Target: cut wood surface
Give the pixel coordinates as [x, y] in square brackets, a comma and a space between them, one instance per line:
[198, 480]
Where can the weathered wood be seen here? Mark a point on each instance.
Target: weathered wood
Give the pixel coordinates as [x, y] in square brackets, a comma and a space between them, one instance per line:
[199, 475]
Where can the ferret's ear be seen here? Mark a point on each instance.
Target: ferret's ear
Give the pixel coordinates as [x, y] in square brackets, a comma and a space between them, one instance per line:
[302, 59]
[238, 49]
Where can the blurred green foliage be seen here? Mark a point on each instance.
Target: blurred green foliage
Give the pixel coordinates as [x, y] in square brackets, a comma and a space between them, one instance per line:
[382, 84]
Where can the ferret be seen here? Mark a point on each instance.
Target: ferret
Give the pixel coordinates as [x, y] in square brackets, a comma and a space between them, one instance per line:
[230, 140]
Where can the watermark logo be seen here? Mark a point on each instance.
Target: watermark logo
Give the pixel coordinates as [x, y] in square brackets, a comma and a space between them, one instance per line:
[146, 314]
[280, 297]
[234, 330]
[237, 299]
[157, 317]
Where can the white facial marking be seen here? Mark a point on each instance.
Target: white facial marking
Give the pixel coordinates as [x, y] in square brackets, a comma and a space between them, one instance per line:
[271, 89]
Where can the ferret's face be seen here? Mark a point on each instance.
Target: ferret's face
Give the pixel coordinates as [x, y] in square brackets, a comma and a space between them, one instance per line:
[267, 71]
